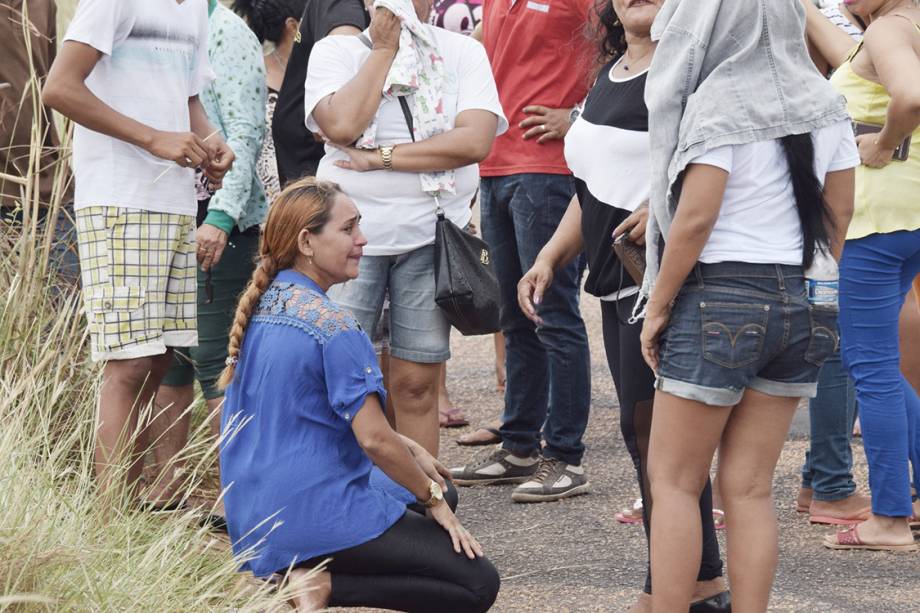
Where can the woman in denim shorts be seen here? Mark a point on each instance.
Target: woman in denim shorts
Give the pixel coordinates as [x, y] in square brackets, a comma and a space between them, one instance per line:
[729, 330]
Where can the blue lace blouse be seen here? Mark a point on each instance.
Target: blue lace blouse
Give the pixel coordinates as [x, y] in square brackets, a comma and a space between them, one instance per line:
[297, 484]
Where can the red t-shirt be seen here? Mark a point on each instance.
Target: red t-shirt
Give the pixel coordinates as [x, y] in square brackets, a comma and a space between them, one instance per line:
[539, 55]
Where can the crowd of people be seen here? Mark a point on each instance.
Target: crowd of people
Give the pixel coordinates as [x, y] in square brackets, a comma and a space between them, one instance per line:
[263, 224]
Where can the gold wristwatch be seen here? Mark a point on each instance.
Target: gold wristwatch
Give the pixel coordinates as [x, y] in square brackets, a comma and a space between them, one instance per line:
[386, 156]
[436, 495]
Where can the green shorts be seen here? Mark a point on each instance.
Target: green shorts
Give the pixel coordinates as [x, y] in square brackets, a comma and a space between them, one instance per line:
[228, 280]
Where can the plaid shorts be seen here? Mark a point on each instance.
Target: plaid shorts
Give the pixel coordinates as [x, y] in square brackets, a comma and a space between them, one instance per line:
[138, 271]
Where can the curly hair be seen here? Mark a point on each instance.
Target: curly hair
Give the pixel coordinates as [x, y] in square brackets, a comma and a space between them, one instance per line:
[608, 32]
[266, 18]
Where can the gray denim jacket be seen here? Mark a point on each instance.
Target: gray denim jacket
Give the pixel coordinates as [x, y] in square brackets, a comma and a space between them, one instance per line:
[725, 72]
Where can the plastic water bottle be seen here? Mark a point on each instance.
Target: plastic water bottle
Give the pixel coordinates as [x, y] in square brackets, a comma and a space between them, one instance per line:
[822, 279]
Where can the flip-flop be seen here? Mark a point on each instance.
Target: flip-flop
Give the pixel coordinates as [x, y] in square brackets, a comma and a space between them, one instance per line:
[849, 539]
[629, 516]
[467, 440]
[453, 418]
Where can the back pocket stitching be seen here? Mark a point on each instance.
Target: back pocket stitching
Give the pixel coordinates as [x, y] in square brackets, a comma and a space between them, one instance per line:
[760, 328]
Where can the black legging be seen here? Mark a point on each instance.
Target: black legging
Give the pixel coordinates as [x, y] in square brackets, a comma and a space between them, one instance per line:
[411, 567]
[635, 383]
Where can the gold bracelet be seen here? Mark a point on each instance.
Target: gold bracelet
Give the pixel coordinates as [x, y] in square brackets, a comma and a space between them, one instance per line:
[386, 156]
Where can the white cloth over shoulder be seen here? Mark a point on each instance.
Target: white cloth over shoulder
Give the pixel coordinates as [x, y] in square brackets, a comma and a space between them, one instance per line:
[417, 70]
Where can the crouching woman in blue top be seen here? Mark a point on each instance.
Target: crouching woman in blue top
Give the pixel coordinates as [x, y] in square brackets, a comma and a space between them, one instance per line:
[303, 429]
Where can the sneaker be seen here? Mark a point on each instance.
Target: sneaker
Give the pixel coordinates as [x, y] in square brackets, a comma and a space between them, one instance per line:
[498, 466]
[554, 480]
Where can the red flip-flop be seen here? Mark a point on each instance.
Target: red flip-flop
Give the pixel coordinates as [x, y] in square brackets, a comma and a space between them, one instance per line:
[849, 539]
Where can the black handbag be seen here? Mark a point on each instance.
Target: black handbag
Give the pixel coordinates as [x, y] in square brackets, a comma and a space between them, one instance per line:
[466, 288]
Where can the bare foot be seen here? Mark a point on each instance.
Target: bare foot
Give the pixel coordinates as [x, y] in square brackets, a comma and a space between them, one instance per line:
[881, 530]
[850, 510]
[708, 589]
[803, 500]
[310, 591]
[643, 604]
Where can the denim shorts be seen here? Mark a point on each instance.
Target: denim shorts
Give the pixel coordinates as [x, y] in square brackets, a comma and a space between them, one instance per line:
[736, 326]
[419, 332]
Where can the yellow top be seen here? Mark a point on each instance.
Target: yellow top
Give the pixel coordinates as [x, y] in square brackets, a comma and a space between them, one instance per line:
[887, 199]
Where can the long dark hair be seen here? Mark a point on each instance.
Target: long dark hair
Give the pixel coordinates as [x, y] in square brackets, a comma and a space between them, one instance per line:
[809, 194]
[608, 32]
[266, 17]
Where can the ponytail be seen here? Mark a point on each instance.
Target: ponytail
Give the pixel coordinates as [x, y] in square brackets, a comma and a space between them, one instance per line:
[809, 194]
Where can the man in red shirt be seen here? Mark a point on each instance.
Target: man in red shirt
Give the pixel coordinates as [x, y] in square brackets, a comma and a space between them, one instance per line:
[541, 62]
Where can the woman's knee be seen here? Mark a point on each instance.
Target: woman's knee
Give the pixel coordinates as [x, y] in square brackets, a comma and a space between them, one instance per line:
[485, 585]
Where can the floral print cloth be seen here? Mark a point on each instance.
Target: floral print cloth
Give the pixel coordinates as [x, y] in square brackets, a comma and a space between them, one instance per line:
[235, 104]
[417, 70]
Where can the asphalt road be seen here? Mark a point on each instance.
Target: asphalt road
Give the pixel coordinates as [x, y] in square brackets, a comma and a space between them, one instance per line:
[573, 556]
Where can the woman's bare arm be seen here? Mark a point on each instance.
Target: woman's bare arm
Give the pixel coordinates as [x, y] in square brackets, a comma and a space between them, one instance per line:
[697, 213]
[344, 115]
[889, 44]
[839, 188]
[468, 142]
[386, 449]
[831, 43]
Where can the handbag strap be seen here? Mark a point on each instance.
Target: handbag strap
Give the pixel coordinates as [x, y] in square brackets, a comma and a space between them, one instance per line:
[407, 115]
[403, 103]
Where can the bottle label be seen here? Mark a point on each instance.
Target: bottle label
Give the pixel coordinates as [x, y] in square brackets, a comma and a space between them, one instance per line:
[823, 292]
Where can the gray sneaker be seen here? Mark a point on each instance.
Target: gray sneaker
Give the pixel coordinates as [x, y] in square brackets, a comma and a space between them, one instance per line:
[554, 480]
[498, 466]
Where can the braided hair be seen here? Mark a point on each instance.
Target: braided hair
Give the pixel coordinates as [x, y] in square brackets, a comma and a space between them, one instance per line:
[303, 205]
[266, 18]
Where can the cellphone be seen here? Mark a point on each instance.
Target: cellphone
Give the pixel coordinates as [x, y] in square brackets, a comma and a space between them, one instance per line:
[900, 154]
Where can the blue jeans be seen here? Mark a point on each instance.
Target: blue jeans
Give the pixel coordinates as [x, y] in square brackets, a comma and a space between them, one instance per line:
[876, 273]
[828, 467]
[548, 366]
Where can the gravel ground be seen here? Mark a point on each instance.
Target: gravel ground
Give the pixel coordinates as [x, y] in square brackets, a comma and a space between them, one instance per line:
[572, 555]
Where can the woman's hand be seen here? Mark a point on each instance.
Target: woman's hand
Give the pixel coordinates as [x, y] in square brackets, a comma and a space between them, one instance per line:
[548, 124]
[871, 154]
[462, 539]
[634, 224]
[656, 319]
[385, 27]
[531, 288]
[359, 160]
[430, 465]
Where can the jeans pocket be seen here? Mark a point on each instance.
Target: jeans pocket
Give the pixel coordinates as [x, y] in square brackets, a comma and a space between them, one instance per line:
[824, 336]
[733, 333]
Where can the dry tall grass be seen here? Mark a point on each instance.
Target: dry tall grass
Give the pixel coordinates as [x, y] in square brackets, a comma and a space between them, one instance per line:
[60, 549]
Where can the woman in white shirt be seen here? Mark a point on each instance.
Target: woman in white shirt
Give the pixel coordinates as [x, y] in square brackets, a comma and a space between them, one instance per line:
[392, 174]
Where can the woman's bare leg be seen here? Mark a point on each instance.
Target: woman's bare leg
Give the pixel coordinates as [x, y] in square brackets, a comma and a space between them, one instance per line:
[751, 445]
[414, 389]
[678, 467]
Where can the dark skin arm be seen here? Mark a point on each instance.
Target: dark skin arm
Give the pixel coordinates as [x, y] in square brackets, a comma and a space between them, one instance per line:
[65, 91]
